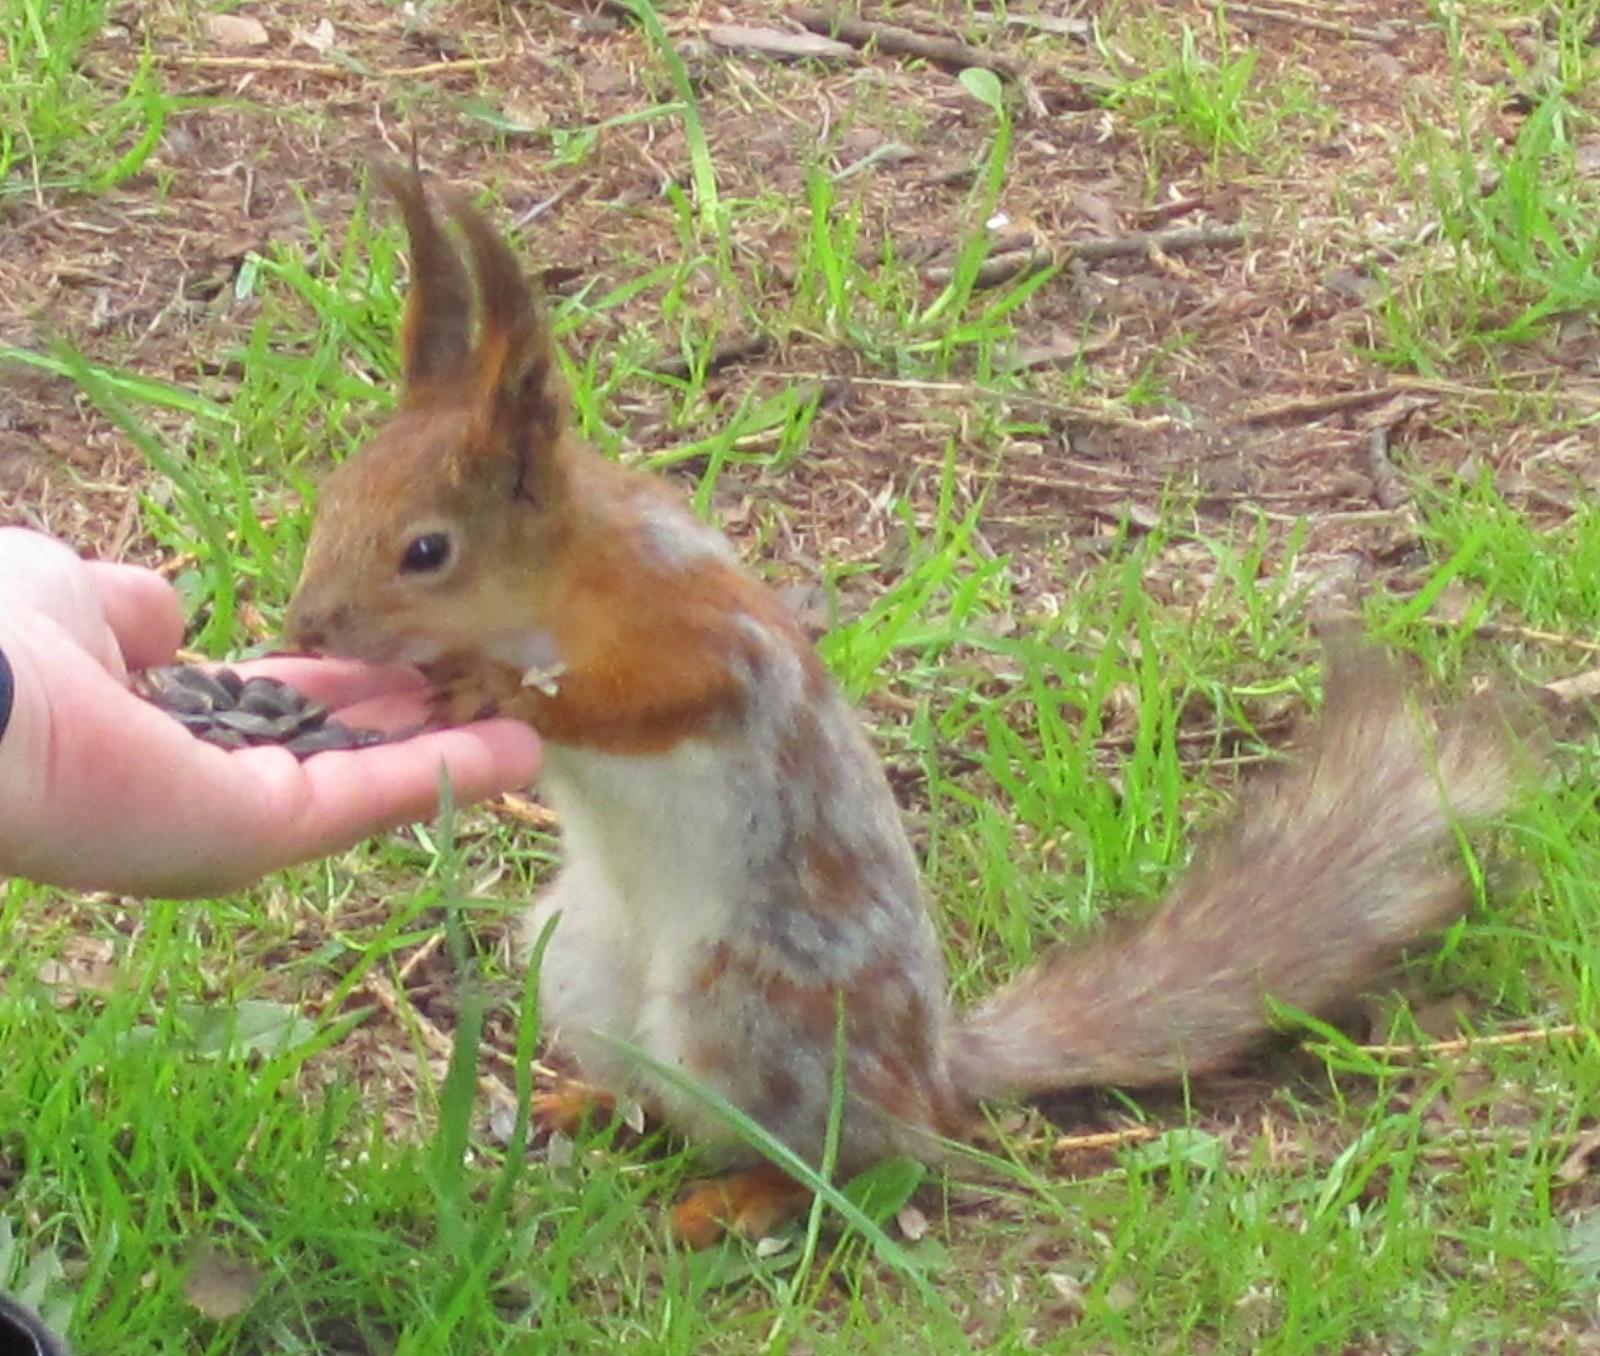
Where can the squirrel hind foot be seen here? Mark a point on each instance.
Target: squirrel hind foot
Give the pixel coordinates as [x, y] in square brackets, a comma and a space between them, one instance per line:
[750, 1203]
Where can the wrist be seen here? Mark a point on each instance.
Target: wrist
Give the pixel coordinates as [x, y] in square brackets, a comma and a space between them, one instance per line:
[23, 745]
[8, 691]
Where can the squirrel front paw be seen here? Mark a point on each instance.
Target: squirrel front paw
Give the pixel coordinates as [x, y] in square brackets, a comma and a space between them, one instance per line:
[570, 1105]
[465, 690]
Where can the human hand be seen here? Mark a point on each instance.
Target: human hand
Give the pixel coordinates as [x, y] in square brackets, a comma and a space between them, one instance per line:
[100, 790]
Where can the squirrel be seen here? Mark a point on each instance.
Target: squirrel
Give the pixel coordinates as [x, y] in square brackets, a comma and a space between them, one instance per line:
[738, 897]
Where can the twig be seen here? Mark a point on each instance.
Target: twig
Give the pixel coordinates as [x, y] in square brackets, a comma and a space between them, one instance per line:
[1466, 1044]
[330, 69]
[1080, 413]
[526, 811]
[418, 958]
[1498, 630]
[1105, 1139]
[1580, 1156]
[997, 268]
[730, 351]
[949, 54]
[1295, 411]
[1384, 37]
[1167, 242]
[1386, 486]
[544, 205]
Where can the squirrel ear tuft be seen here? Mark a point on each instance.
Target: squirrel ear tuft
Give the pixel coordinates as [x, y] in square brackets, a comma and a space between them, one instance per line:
[523, 404]
[436, 339]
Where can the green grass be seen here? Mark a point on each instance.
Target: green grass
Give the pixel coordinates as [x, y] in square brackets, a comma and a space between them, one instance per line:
[1192, 90]
[59, 129]
[227, 1082]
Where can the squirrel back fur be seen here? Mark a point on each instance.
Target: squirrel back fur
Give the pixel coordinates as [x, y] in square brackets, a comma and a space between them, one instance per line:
[738, 896]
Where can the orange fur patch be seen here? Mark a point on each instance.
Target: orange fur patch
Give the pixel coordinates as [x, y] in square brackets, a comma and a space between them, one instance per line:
[751, 1204]
[650, 657]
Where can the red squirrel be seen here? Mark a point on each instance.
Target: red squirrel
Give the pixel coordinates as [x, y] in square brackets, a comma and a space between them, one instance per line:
[737, 881]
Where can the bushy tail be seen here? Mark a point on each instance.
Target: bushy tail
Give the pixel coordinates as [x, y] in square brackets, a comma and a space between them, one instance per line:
[1327, 870]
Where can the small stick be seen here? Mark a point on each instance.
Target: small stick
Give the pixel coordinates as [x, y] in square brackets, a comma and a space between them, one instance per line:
[997, 268]
[1105, 1139]
[1082, 414]
[1497, 630]
[549, 204]
[1386, 486]
[949, 54]
[1382, 37]
[419, 957]
[1294, 411]
[526, 811]
[730, 351]
[1466, 1044]
[330, 69]
[1166, 242]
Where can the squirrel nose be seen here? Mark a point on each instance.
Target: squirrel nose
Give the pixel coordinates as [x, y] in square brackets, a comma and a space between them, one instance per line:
[314, 629]
[306, 629]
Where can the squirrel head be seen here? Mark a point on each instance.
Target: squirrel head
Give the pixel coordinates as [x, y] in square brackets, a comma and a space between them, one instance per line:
[409, 549]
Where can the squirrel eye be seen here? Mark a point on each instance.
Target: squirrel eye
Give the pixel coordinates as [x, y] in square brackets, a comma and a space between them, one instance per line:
[426, 553]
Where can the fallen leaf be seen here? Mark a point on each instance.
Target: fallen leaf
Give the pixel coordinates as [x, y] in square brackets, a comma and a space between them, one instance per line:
[1576, 1165]
[1582, 687]
[1069, 1291]
[250, 1026]
[1120, 1296]
[1065, 351]
[219, 1286]
[913, 1224]
[1099, 212]
[1354, 285]
[236, 30]
[86, 966]
[1182, 1147]
[607, 78]
[1583, 1248]
[502, 1122]
[320, 39]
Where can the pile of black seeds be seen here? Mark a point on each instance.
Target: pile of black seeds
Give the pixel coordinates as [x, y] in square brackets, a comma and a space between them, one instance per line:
[222, 708]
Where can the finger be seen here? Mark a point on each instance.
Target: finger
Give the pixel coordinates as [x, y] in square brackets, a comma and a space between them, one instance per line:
[335, 799]
[390, 713]
[335, 682]
[360, 792]
[47, 576]
[192, 819]
[142, 610]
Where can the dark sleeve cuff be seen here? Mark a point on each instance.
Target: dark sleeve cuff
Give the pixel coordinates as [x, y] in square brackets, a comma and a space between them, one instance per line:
[8, 690]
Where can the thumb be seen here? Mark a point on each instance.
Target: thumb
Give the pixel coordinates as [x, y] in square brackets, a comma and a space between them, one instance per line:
[46, 577]
[142, 610]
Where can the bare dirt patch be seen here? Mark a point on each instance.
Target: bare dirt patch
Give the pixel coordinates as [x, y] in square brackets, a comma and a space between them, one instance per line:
[1239, 345]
